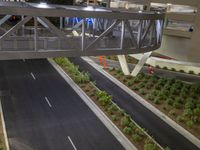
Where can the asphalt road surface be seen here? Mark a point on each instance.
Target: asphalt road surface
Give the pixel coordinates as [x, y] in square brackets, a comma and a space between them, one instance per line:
[42, 112]
[163, 133]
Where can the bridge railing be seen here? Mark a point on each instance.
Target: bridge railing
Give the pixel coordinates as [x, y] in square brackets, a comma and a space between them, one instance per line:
[82, 31]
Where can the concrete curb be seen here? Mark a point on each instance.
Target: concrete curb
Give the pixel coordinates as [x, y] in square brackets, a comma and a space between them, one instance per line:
[96, 110]
[158, 113]
[4, 127]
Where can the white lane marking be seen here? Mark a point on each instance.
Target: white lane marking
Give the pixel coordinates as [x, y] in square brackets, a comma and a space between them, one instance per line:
[48, 101]
[33, 76]
[72, 143]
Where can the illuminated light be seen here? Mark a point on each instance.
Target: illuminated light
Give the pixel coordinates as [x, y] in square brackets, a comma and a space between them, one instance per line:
[140, 11]
[169, 4]
[43, 5]
[89, 8]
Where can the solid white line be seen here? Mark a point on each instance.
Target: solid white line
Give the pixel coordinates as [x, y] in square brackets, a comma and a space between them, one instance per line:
[72, 143]
[4, 127]
[33, 76]
[48, 101]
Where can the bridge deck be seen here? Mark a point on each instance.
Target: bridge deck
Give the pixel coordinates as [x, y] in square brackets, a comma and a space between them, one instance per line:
[87, 31]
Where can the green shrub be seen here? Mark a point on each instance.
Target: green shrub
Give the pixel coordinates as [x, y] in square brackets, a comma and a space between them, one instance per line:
[191, 72]
[148, 85]
[189, 104]
[182, 71]
[177, 105]
[165, 68]
[136, 80]
[142, 91]
[114, 117]
[180, 119]
[196, 111]
[190, 123]
[150, 146]
[125, 121]
[135, 88]
[172, 113]
[158, 87]
[170, 101]
[157, 101]
[188, 112]
[127, 130]
[136, 137]
[150, 97]
[173, 69]
[130, 83]
[157, 66]
[141, 85]
[195, 119]
[103, 98]
[155, 93]
[180, 100]
[167, 148]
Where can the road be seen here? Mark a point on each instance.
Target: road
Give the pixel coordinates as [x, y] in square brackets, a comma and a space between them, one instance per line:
[42, 112]
[159, 72]
[163, 133]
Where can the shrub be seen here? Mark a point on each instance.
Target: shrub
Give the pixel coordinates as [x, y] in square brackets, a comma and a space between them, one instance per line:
[173, 69]
[177, 105]
[127, 130]
[114, 117]
[150, 146]
[125, 121]
[150, 97]
[190, 123]
[158, 87]
[172, 113]
[180, 119]
[180, 100]
[136, 137]
[196, 111]
[165, 68]
[154, 93]
[141, 85]
[103, 98]
[136, 80]
[142, 91]
[191, 72]
[189, 105]
[188, 112]
[157, 101]
[157, 66]
[170, 101]
[148, 85]
[182, 71]
[135, 88]
[112, 108]
[195, 119]
[130, 83]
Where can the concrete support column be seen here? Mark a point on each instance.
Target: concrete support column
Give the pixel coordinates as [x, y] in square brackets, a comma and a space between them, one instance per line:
[123, 64]
[140, 64]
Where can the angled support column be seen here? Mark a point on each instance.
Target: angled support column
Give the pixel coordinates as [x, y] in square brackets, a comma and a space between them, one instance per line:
[123, 64]
[4, 19]
[140, 64]
[53, 28]
[15, 28]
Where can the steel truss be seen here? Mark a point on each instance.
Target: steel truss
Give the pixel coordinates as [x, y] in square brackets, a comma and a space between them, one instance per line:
[83, 31]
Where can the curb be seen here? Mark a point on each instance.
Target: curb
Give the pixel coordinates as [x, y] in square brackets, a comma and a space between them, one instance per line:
[123, 140]
[4, 127]
[158, 113]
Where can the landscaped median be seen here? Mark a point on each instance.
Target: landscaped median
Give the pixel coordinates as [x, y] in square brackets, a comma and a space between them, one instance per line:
[179, 100]
[120, 118]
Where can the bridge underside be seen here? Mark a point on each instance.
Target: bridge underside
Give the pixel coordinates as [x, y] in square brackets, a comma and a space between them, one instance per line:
[82, 32]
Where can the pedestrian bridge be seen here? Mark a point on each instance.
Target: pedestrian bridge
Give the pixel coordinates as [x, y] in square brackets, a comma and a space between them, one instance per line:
[29, 30]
